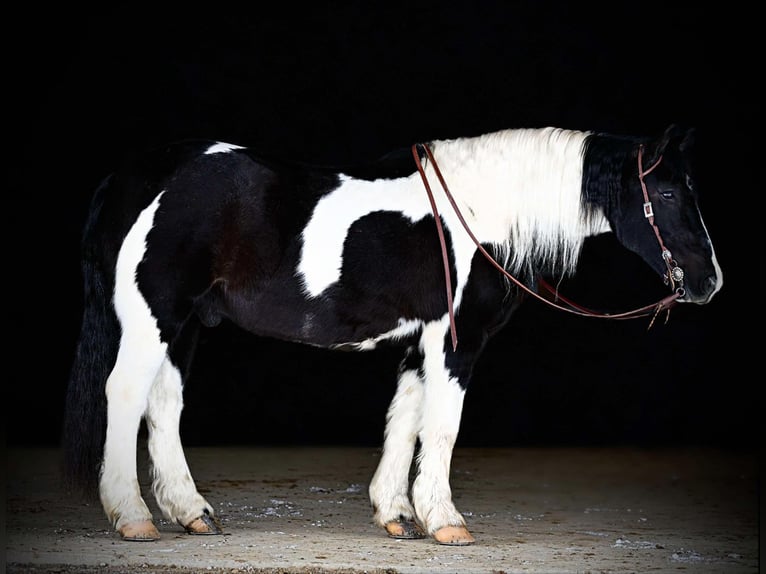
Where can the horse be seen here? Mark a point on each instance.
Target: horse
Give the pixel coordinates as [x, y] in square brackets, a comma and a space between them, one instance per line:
[187, 235]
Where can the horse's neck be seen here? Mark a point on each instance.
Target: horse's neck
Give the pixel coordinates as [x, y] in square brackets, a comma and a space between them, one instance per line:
[604, 161]
[522, 190]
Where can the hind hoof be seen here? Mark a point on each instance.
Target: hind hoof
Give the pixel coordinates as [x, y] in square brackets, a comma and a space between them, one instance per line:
[454, 536]
[407, 529]
[205, 524]
[143, 531]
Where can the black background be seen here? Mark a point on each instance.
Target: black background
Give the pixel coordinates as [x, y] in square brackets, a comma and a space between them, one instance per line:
[342, 83]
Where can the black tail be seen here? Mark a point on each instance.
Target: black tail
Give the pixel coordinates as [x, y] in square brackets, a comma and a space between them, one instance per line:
[85, 417]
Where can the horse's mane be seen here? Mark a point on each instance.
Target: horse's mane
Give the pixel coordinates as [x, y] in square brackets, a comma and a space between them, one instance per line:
[522, 192]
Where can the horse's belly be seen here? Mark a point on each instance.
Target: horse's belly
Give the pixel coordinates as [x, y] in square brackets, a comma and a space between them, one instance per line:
[330, 320]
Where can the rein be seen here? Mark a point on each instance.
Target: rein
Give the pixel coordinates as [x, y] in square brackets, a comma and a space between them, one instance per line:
[674, 276]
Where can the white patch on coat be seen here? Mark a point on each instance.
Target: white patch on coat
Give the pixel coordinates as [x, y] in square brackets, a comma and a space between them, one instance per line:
[221, 147]
[140, 335]
[716, 266]
[334, 214]
[404, 328]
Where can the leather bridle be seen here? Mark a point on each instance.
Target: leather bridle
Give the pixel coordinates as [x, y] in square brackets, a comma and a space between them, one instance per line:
[674, 275]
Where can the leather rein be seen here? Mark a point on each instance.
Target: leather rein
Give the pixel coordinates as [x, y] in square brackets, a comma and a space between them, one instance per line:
[674, 274]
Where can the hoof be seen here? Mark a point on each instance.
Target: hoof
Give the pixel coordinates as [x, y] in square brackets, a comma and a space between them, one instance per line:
[143, 531]
[205, 524]
[454, 536]
[407, 529]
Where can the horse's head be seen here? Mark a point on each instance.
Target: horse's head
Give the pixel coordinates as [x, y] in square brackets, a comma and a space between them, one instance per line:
[658, 217]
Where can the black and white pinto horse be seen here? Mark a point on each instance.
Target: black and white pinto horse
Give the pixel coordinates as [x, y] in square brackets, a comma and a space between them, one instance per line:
[195, 233]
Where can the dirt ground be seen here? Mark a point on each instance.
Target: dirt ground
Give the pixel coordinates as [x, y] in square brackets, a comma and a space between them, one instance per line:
[306, 510]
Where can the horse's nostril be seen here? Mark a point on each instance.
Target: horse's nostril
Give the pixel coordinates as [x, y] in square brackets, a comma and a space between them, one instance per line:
[710, 283]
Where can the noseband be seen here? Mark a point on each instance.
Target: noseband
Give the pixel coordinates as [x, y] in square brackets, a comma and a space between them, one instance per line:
[674, 275]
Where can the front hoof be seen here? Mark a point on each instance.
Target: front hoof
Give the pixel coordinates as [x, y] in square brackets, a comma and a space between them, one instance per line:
[454, 536]
[205, 524]
[143, 531]
[407, 529]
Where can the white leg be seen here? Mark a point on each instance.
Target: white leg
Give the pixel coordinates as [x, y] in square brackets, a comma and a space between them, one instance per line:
[138, 362]
[172, 484]
[389, 488]
[442, 408]
[127, 390]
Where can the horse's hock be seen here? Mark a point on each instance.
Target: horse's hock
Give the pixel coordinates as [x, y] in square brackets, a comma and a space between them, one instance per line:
[300, 510]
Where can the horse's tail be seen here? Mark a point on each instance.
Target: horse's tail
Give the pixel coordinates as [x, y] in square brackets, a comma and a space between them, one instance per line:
[85, 415]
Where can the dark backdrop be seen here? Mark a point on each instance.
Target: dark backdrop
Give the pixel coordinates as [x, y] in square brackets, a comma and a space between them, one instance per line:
[348, 83]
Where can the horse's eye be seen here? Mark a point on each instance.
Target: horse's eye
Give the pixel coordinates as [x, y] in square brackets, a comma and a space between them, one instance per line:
[667, 194]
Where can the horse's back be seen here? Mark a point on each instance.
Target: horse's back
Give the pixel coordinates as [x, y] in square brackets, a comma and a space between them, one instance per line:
[181, 167]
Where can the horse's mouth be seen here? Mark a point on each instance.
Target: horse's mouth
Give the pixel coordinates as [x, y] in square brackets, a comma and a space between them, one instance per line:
[697, 299]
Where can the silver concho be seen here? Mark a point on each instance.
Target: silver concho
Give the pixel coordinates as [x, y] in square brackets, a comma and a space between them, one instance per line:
[677, 274]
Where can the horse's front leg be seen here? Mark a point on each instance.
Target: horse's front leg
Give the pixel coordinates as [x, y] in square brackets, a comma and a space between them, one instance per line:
[389, 488]
[172, 484]
[440, 422]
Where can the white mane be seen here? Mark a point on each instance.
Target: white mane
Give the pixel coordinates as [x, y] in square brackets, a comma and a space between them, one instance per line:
[521, 191]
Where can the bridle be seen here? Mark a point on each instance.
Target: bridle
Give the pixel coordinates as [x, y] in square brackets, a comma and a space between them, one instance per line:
[674, 274]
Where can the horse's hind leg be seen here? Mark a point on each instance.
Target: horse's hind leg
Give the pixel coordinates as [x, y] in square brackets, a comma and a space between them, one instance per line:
[389, 488]
[172, 485]
[127, 389]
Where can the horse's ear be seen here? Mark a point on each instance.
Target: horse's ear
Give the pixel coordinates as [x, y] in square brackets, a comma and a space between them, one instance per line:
[658, 147]
[687, 144]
